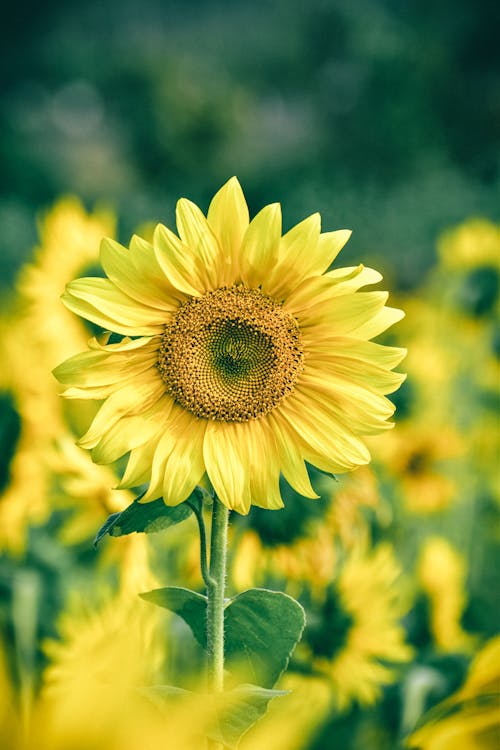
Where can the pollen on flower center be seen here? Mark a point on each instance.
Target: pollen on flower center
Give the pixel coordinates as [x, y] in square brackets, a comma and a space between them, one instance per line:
[231, 355]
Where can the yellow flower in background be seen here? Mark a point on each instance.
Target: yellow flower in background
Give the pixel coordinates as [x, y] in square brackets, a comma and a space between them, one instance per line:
[23, 500]
[474, 243]
[309, 559]
[307, 553]
[347, 520]
[442, 575]
[69, 246]
[35, 334]
[423, 456]
[359, 635]
[80, 482]
[470, 259]
[469, 719]
[242, 356]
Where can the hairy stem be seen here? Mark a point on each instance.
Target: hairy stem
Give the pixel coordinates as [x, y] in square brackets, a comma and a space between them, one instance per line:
[215, 593]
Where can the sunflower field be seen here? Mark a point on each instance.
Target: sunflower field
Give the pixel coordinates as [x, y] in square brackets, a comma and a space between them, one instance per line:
[248, 499]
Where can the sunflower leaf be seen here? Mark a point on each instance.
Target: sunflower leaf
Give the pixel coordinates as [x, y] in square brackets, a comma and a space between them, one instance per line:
[148, 517]
[243, 707]
[189, 605]
[261, 628]
[232, 713]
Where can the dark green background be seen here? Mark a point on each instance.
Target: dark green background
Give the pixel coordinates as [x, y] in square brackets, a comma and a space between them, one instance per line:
[383, 115]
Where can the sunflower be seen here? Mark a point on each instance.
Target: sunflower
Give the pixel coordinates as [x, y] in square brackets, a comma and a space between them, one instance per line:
[354, 636]
[468, 719]
[424, 458]
[35, 333]
[243, 357]
[301, 545]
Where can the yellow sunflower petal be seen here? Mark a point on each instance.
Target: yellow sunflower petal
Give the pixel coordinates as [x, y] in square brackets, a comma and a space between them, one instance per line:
[101, 302]
[138, 470]
[291, 461]
[329, 246]
[196, 233]
[262, 451]
[163, 448]
[353, 370]
[177, 262]
[356, 409]
[185, 466]
[345, 314]
[226, 465]
[344, 346]
[319, 290]
[353, 278]
[133, 398]
[378, 323]
[326, 437]
[296, 250]
[260, 246]
[130, 432]
[229, 219]
[100, 343]
[137, 273]
[101, 368]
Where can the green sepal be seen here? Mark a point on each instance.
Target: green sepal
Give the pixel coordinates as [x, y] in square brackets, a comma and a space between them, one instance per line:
[261, 628]
[148, 517]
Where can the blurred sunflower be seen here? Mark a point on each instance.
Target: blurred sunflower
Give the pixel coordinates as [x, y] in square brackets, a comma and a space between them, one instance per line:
[423, 457]
[35, 332]
[442, 575]
[301, 544]
[308, 559]
[69, 246]
[473, 244]
[354, 634]
[242, 358]
[28, 425]
[79, 483]
[469, 719]
[469, 257]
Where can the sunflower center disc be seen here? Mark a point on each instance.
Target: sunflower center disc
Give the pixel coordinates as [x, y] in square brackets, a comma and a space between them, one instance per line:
[231, 355]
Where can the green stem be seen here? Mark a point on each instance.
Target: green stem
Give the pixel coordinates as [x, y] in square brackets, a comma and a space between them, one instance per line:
[198, 512]
[215, 581]
[215, 593]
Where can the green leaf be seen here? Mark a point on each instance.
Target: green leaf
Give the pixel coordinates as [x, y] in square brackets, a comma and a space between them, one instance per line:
[261, 628]
[243, 707]
[235, 711]
[148, 517]
[189, 605]
[162, 695]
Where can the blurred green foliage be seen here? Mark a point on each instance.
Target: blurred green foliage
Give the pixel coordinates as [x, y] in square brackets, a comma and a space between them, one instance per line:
[383, 116]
